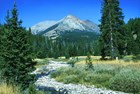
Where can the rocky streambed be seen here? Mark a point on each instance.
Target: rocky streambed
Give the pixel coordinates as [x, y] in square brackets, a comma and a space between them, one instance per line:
[45, 82]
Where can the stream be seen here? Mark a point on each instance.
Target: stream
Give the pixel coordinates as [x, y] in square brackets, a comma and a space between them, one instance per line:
[46, 83]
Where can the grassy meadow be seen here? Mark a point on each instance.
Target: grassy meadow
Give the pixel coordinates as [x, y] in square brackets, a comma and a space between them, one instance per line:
[120, 75]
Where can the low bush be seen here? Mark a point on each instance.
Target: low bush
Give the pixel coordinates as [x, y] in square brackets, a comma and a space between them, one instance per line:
[32, 90]
[66, 75]
[71, 79]
[55, 74]
[107, 69]
[99, 79]
[80, 75]
[127, 80]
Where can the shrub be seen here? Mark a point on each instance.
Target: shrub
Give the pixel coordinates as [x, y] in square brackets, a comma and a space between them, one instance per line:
[96, 79]
[107, 69]
[111, 72]
[71, 79]
[79, 75]
[127, 81]
[102, 79]
[32, 90]
[75, 71]
[55, 74]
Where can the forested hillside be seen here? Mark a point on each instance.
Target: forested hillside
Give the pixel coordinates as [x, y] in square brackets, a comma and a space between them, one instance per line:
[69, 44]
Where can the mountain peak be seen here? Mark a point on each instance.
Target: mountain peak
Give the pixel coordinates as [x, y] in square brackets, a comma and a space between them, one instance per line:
[70, 16]
[68, 23]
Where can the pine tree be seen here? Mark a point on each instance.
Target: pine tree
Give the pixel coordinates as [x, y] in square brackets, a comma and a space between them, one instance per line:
[17, 53]
[133, 36]
[89, 65]
[111, 38]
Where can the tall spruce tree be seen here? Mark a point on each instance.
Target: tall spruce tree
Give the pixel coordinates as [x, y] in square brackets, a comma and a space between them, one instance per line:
[17, 52]
[111, 38]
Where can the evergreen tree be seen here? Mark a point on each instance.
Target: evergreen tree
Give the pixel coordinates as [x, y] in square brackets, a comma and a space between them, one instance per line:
[89, 65]
[111, 38]
[133, 36]
[17, 52]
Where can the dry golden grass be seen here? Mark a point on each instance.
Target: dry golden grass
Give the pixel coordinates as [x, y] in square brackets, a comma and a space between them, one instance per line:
[8, 89]
[96, 60]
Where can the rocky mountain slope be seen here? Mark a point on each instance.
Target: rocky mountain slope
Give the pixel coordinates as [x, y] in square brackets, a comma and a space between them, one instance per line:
[65, 25]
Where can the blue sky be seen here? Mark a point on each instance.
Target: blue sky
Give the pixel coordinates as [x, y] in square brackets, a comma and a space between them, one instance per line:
[34, 11]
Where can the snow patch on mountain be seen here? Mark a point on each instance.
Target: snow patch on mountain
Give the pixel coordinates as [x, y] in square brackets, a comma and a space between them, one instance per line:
[42, 26]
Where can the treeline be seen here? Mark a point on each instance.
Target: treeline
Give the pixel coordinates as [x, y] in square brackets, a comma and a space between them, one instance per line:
[54, 48]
